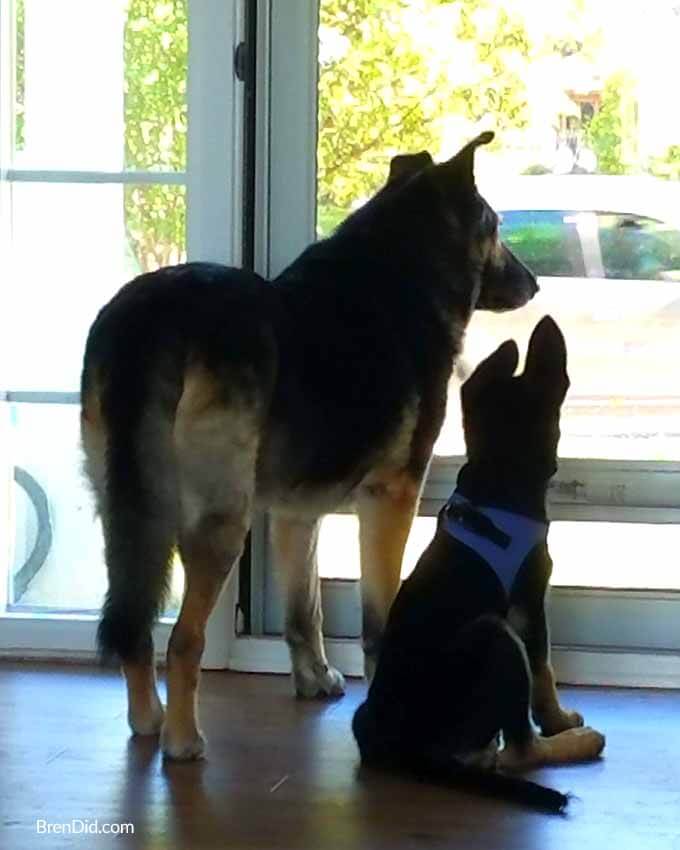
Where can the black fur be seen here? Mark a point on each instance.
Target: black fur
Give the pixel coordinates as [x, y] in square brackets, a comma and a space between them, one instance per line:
[452, 674]
[361, 328]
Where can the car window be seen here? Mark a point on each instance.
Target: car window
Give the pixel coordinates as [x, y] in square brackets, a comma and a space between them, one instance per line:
[638, 248]
[545, 240]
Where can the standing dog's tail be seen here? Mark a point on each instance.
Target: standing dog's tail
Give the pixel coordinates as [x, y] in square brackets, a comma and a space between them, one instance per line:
[139, 542]
[127, 439]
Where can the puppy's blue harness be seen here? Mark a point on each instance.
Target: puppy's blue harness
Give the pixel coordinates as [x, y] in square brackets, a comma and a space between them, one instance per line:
[502, 538]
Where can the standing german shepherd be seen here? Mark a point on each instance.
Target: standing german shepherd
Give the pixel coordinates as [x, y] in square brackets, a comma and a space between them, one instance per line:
[208, 392]
[465, 654]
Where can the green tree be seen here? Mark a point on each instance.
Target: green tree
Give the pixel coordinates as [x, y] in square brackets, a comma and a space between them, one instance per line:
[606, 130]
[155, 49]
[383, 89]
[668, 165]
[19, 73]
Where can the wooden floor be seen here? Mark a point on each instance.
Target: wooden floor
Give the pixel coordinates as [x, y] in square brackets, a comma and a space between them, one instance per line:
[282, 774]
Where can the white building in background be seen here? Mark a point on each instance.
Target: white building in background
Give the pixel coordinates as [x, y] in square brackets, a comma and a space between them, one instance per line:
[658, 113]
[563, 91]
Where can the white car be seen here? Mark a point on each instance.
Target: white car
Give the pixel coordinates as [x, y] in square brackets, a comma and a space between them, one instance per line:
[606, 251]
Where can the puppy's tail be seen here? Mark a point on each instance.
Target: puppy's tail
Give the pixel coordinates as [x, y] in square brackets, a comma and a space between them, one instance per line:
[455, 774]
[513, 788]
[492, 784]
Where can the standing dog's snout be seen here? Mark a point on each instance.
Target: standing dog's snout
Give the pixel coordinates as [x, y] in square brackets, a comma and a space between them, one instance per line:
[506, 285]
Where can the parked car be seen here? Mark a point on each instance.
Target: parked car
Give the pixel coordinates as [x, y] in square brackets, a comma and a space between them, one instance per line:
[606, 250]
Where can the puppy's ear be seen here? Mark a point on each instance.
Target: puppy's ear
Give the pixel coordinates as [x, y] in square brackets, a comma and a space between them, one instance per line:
[459, 171]
[546, 363]
[501, 364]
[408, 164]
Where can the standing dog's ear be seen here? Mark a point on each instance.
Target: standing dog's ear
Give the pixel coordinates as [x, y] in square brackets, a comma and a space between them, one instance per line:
[460, 169]
[501, 364]
[408, 164]
[546, 363]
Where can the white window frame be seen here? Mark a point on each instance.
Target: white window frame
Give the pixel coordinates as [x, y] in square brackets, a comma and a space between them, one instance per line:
[213, 180]
[601, 636]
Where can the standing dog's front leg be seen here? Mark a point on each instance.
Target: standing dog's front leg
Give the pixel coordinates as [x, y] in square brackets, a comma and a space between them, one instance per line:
[386, 509]
[294, 541]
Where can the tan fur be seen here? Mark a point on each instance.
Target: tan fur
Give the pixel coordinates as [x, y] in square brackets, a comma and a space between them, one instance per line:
[488, 250]
[145, 712]
[549, 714]
[294, 543]
[546, 708]
[574, 745]
[215, 449]
[386, 504]
[495, 254]
[181, 738]
[93, 436]
[386, 507]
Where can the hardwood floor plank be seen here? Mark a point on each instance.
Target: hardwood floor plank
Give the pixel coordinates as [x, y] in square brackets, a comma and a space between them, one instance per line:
[282, 774]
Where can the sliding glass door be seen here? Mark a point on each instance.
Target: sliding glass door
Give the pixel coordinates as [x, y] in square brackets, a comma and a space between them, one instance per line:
[120, 153]
[585, 173]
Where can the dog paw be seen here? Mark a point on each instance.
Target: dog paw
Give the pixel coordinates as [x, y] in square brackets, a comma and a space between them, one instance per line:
[570, 746]
[146, 719]
[573, 745]
[318, 681]
[182, 746]
[560, 722]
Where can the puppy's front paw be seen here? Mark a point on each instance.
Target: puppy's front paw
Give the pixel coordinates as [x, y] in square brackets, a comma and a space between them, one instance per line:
[318, 680]
[573, 745]
[182, 745]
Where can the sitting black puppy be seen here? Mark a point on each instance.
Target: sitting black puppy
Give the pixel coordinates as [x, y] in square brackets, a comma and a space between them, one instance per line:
[465, 655]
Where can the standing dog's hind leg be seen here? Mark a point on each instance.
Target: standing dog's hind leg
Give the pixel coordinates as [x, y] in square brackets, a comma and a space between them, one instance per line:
[145, 712]
[294, 541]
[216, 450]
[208, 552]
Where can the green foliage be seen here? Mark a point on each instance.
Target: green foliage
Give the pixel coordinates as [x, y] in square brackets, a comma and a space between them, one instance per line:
[384, 90]
[155, 49]
[605, 132]
[19, 73]
[668, 165]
